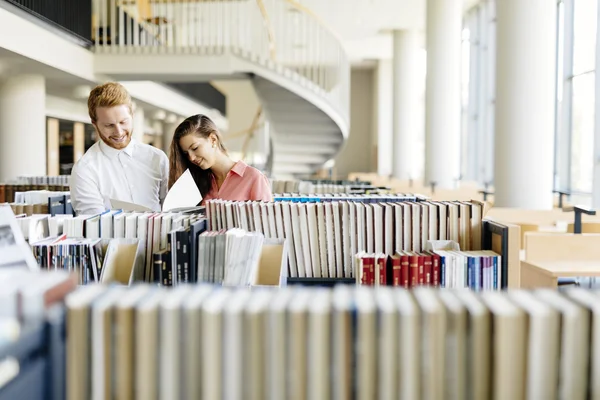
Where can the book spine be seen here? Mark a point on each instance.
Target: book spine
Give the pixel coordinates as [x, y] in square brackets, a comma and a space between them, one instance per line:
[414, 270]
[427, 269]
[405, 271]
[396, 269]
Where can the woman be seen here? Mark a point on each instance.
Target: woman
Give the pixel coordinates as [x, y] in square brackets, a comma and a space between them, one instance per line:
[197, 146]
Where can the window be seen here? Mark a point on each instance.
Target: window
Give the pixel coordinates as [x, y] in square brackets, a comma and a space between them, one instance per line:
[575, 97]
[478, 94]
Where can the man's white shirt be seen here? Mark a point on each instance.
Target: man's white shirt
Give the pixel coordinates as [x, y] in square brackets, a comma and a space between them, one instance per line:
[137, 174]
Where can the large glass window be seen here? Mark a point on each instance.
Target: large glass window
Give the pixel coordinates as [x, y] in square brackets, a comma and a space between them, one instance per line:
[478, 95]
[582, 129]
[575, 97]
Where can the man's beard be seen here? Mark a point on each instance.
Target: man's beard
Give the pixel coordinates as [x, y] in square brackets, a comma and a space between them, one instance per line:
[118, 144]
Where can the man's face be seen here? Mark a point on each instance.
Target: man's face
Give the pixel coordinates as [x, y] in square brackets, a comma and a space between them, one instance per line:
[114, 125]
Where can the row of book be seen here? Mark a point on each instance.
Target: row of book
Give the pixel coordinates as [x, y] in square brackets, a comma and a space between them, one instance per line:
[173, 236]
[308, 187]
[8, 191]
[207, 342]
[324, 237]
[477, 270]
[58, 180]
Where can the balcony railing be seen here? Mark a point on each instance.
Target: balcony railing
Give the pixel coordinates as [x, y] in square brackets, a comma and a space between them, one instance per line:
[71, 16]
[278, 34]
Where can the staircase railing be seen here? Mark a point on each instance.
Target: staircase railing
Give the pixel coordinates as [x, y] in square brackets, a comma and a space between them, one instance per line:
[281, 35]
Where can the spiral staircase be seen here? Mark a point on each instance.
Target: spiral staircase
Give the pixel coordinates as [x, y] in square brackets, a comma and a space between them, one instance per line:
[296, 64]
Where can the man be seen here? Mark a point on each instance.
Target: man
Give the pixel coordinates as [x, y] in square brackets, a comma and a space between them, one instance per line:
[117, 166]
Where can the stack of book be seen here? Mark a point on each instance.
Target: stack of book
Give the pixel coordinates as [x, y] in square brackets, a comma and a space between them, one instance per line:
[206, 342]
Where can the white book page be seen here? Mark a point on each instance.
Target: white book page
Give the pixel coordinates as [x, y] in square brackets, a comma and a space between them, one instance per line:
[337, 232]
[265, 220]
[388, 230]
[433, 221]
[443, 220]
[297, 240]
[353, 235]
[272, 224]
[241, 207]
[305, 240]
[398, 227]
[346, 239]
[361, 228]
[313, 236]
[289, 235]
[370, 229]
[424, 224]
[407, 226]
[279, 221]
[378, 225]
[184, 193]
[330, 240]
[416, 227]
[257, 217]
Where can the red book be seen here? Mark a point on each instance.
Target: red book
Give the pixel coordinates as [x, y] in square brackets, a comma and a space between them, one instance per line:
[427, 268]
[370, 266]
[396, 269]
[405, 270]
[421, 260]
[364, 277]
[382, 264]
[413, 267]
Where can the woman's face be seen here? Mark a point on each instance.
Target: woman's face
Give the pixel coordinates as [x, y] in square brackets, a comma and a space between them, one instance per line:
[199, 150]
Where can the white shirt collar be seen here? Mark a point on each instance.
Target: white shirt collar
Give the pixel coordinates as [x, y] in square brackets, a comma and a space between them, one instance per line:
[111, 152]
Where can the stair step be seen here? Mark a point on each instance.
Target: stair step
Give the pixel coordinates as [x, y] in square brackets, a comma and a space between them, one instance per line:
[283, 158]
[295, 139]
[293, 169]
[305, 148]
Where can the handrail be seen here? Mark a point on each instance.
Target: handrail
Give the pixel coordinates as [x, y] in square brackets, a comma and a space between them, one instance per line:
[269, 27]
[317, 18]
[282, 36]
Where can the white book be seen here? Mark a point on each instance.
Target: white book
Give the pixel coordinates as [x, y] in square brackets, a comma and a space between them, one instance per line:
[543, 343]
[233, 345]
[319, 333]
[337, 234]
[574, 345]
[313, 236]
[276, 351]
[322, 227]
[254, 334]
[298, 242]
[387, 344]
[306, 243]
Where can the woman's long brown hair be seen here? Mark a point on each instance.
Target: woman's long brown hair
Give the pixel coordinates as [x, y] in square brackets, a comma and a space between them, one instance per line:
[202, 126]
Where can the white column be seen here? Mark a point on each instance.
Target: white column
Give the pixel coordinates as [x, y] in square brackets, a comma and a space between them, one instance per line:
[138, 123]
[382, 117]
[404, 101]
[442, 99]
[22, 126]
[524, 124]
[596, 176]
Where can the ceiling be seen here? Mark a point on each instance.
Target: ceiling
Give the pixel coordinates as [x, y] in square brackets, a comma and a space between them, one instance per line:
[365, 25]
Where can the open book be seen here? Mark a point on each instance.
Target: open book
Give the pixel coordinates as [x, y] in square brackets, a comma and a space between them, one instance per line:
[183, 196]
